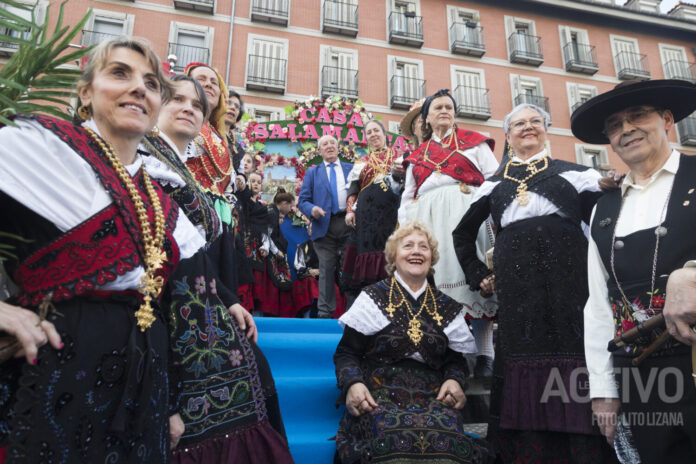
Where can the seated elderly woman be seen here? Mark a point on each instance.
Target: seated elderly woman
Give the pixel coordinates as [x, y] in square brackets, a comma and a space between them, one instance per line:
[400, 365]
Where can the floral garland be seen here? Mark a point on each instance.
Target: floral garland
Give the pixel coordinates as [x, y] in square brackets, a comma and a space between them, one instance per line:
[307, 153]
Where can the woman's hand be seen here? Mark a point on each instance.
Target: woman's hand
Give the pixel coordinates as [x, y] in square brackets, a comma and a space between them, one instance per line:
[350, 219]
[245, 321]
[314, 273]
[29, 329]
[397, 170]
[488, 285]
[176, 430]
[240, 182]
[358, 399]
[263, 253]
[605, 412]
[451, 394]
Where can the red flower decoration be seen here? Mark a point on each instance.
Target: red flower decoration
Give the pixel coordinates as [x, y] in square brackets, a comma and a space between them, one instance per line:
[658, 301]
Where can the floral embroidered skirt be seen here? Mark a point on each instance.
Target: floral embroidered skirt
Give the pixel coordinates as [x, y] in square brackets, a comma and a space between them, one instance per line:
[409, 425]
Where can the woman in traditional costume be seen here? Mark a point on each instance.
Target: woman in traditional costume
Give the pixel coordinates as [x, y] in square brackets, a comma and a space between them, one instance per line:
[235, 110]
[104, 244]
[371, 209]
[400, 365]
[442, 177]
[220, 425]
[540, 276]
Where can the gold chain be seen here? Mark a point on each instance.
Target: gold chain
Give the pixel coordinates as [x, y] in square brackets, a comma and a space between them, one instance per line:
[522, 196]
[150, 284]
[414, 326]
[219, 146]
[438, 166]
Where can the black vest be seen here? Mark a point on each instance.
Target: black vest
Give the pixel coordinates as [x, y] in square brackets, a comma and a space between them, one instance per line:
[633, 262]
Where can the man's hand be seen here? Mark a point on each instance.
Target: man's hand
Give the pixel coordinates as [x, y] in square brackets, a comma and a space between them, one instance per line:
[245, 321]
[605, 411]
[451, 394]
[359, 400]
[680, 306]
[318, 212]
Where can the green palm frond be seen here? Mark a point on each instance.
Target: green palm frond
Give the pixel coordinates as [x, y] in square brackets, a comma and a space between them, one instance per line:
[41, 74]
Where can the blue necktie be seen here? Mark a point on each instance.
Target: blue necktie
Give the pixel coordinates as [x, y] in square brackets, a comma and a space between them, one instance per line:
[334, 189]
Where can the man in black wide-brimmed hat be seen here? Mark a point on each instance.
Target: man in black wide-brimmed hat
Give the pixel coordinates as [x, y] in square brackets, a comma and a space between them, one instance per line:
[640, 234]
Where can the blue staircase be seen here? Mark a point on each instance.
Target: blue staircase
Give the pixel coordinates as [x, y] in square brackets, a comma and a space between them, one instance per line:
[300, 352]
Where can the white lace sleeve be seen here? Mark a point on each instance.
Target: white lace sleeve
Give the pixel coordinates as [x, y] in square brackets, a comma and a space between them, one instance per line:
[161, 172]
[364, 316]
[459, 335]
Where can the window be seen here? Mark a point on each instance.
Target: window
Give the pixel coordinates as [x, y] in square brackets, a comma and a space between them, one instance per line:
[406, 82]
[628, 61]
[340, 17]
[465, 32]
[8, 48]
[405, 23]
[578, 54]
[267, 63]
[394, 127]
[265, 113]
[339, 71]
[526, 89]
[675, 65]
[470, 92]
[523, 44]
[594, 157]
[579, 94]
[189, 43]
[104, 25]
[271, 11]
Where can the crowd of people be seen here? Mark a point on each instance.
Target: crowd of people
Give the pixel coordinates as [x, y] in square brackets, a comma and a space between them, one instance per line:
[146, 247]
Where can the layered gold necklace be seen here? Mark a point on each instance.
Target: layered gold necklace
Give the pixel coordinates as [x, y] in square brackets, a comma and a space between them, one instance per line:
[438, 166]
[150, 284]
[414, 326]
[533, 169]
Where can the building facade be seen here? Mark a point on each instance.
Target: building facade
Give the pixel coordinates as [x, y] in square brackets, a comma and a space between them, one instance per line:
[389, 53]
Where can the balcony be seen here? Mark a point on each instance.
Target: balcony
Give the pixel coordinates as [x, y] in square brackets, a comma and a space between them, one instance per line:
[580, 58]
[525, 49]
[467, 39]
[340, 18]
[542, 102]
[94, 37]
[186, 54]
[687, 130]
[405, 91]
[472, 102]
[339, 81]
[200, 6]
[270, 11]
[631, 65]
[405, 29]
[8, 48]
[681, 70]
[265, 73]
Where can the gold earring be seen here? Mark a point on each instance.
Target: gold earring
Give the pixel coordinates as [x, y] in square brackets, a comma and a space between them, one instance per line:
[84, 112]
[511, 152]
[155, 132]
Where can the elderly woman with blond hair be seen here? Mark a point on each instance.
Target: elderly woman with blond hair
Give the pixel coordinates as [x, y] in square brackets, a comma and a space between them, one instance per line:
[400, 364]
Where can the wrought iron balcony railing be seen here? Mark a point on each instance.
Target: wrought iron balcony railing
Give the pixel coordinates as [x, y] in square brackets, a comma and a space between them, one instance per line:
[542, 102]
[631, 65]
[467, 39]
[266, 73]
[683, 70]
[687, 130]
[201, 6]
[580, 58]
[270, 11]
[405, 91]
[472, 102]
[339, 81]
[340, 18]
[94, 37]
[186, 54]
[525, 49]
[8, 48]
[405, 29]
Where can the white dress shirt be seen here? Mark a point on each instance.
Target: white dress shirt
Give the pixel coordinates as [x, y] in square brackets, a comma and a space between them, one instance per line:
[341, 184]
[642, 209]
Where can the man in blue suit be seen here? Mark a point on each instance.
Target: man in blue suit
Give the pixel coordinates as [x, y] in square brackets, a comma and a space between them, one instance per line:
[323, 200]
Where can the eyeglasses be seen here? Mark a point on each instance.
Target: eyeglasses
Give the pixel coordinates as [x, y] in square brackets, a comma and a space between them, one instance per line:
[614, 124]
[521, 124]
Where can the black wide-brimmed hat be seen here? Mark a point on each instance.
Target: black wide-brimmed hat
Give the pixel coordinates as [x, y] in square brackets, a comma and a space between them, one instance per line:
[587, 122]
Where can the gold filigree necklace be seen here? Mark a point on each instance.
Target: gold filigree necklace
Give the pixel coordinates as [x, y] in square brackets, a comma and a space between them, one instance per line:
[438, 166]
[533, 169]
[414, 326]
[150, 284]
